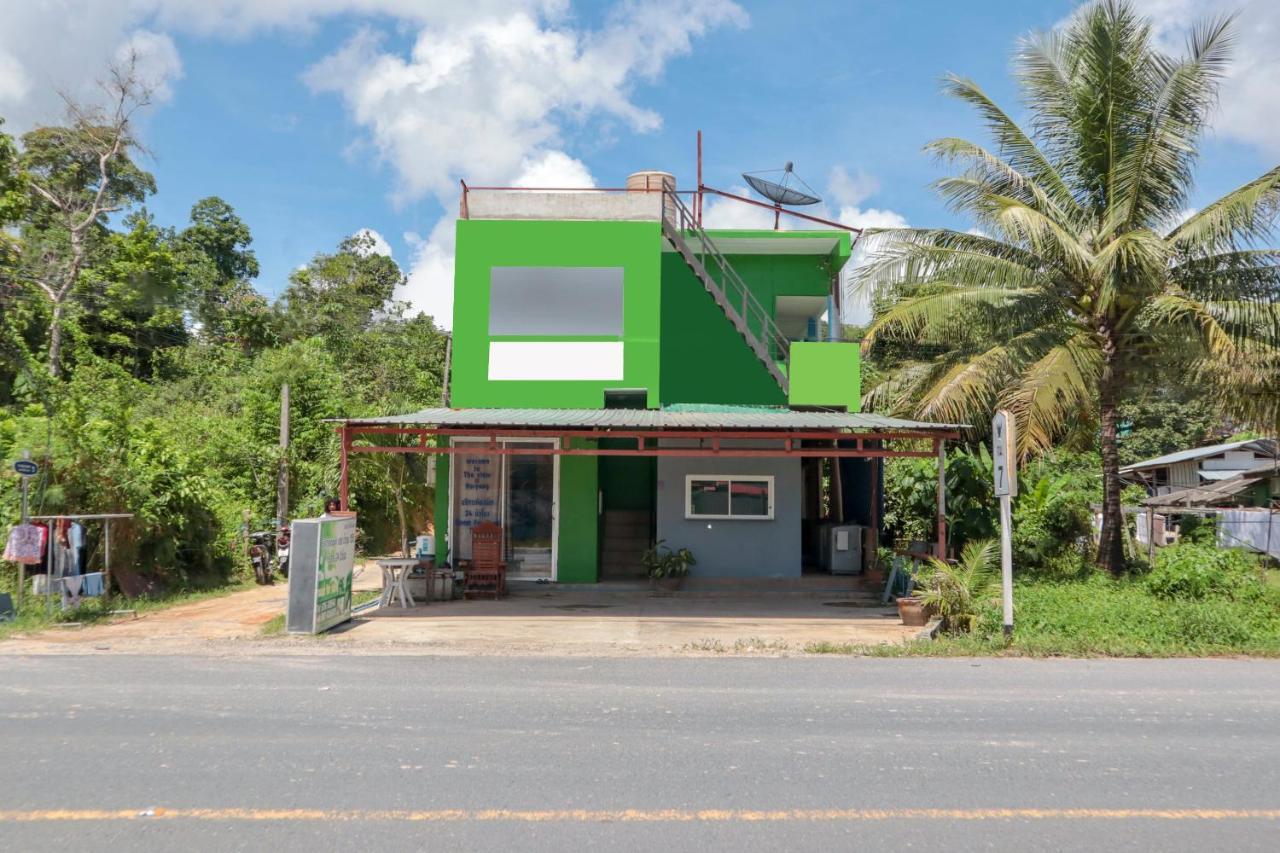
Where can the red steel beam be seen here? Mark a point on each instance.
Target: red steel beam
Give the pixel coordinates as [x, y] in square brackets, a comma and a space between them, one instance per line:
[754, 434]
[777, 209]
[516, 450]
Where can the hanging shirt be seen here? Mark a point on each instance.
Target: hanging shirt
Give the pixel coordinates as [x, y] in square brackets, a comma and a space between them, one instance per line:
[75, 543]
[24, 545]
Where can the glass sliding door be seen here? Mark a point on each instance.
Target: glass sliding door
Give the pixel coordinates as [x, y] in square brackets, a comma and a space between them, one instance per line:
[515, 491]
[530, 494]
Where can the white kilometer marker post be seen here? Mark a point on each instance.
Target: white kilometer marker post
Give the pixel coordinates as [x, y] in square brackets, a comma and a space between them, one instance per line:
[1004, 456]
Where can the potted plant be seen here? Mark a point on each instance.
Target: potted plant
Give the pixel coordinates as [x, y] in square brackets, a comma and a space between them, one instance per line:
[876, 572]
[911, 610]
[667, 569]
[955, 591]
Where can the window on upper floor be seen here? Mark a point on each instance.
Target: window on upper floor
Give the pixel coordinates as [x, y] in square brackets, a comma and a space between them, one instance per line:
[555, 301]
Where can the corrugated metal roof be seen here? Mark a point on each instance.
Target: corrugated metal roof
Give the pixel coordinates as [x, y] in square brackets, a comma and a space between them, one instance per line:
[1262, 445]
[720, 417]
[1202, 495]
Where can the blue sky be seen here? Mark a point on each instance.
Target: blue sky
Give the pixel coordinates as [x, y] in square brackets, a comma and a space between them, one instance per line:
[319, 119]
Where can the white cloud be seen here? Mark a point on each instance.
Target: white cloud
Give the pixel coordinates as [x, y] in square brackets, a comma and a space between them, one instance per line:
[553, 169]
[478, 98]
[485, 98]
[429, 286]
[376, 243]
[156, 62]
[719, 212]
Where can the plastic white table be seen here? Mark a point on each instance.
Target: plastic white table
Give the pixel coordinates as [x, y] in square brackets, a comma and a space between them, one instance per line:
[395, 576]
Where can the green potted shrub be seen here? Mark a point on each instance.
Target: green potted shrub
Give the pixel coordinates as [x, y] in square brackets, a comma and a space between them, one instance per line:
[955, 590]
[667, 569]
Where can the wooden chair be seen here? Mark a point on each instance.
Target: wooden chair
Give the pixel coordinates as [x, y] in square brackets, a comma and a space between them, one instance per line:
[488, 573]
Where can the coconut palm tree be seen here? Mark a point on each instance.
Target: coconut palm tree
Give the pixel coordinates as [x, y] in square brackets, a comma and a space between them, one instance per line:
[1085, 267]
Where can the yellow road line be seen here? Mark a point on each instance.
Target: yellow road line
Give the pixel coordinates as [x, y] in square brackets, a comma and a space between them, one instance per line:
[630, 815]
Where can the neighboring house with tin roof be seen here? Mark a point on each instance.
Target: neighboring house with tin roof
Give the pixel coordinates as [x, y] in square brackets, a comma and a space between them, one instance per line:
[1199, 467]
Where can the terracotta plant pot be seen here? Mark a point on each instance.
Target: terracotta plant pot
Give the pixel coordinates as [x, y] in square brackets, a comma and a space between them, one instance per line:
[911, 611]
[671, 583]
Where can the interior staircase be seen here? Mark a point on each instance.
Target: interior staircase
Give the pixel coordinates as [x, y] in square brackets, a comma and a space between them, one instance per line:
[624, 539]
[729, 291]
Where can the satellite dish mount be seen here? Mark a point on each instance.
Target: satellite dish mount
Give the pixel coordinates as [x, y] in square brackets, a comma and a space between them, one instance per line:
[784, 190]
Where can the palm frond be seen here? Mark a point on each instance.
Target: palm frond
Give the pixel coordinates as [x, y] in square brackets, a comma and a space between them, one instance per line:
[907, 319]
[1240, 218]
[1015, 144]
[1051, 390]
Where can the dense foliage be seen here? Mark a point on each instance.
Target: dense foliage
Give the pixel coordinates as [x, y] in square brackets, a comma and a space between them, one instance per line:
[166, 397]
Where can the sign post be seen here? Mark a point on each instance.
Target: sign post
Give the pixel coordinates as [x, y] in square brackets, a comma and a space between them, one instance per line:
[26, 469]
[1004, 456]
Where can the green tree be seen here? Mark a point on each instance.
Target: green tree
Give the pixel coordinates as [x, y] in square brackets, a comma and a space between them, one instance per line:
[132, 296]
[77, 176]
[219, 267]
[340, 295]
[1093, 262]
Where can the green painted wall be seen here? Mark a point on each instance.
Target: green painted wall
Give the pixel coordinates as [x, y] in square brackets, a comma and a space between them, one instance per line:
[704, 359]
[577, 550]
[483, 244]
[442, 508]
[626, 482]
[771, 276]
[825, 374]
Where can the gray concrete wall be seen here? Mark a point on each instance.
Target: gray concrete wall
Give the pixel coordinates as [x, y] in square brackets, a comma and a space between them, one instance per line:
[733, 548]
[532, 204]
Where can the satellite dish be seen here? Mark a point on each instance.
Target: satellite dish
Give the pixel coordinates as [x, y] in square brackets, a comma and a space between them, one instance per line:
[784, 190]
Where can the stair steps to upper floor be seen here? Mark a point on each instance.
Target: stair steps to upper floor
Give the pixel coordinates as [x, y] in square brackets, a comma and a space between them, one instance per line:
[626, 535]
[744, 311]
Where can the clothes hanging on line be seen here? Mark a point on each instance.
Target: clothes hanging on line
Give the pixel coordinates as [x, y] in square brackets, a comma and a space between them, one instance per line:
[92, 584]
[25, 544]
[68, 536]
[71, 592]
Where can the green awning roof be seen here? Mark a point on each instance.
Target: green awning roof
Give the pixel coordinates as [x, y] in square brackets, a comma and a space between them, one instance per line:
[675, 417]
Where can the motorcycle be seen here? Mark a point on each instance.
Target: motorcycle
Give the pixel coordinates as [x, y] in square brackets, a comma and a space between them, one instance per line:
[261, 546]
[282, 551]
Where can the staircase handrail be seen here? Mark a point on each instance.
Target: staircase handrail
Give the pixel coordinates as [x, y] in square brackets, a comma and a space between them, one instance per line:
[742, 299]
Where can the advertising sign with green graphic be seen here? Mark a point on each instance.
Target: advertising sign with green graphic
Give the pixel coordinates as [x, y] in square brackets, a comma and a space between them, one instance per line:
[322, 560]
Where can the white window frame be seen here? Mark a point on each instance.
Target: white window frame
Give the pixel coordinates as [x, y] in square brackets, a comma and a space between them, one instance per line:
[689, 514]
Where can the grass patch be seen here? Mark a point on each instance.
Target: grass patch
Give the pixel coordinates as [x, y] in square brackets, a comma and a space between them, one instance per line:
[274, 627]
[364, 596]
[1103, 616]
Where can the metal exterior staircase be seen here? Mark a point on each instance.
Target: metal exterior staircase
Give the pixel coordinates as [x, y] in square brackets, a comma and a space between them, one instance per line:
[730, 292]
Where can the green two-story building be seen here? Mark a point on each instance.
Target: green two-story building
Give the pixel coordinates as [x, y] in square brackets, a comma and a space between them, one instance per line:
[621, 376]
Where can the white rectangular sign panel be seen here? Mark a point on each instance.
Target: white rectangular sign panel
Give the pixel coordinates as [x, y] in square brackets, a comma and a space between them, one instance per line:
[1004, 454]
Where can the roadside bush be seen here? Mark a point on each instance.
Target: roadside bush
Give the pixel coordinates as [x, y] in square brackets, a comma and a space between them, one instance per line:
[1052, 517]
[1195, 572]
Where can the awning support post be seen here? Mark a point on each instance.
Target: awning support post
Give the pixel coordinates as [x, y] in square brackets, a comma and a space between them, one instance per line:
[941, 447]
[343, 477]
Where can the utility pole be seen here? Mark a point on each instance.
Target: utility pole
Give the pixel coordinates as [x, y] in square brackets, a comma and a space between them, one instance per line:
[282, 480]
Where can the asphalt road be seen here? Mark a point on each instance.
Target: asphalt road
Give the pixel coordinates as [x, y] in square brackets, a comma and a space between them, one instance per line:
[391, 753]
